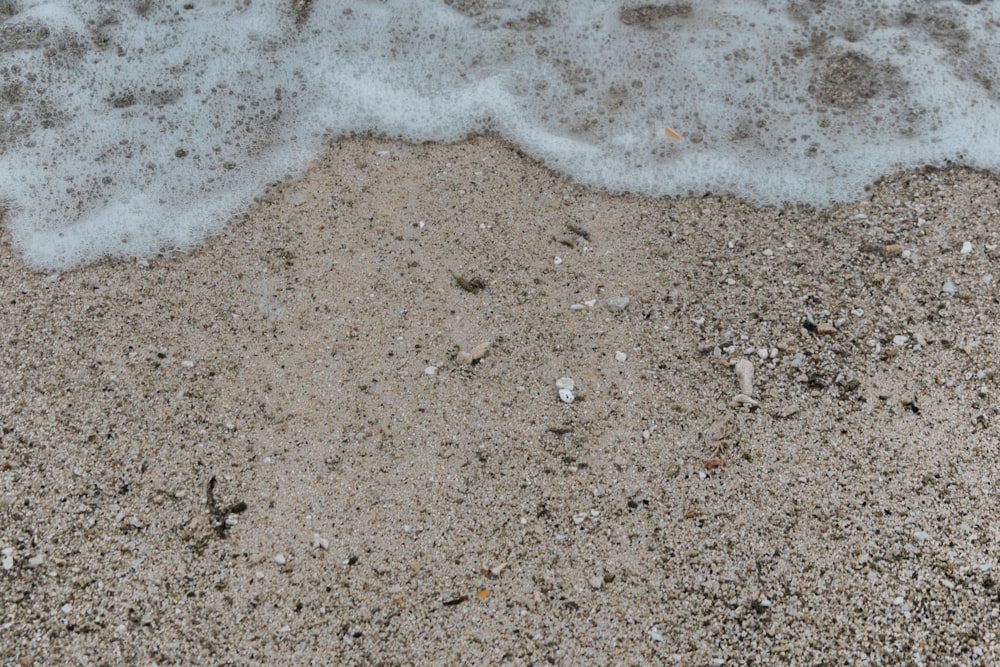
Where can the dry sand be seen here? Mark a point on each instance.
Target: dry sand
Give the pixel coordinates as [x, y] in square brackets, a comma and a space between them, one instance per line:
[393, 516]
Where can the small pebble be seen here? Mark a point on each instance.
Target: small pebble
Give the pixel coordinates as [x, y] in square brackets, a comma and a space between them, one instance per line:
[744, 372]
[900, 340]
[7, 561]
[742, 400]
[966, 247]
[948, 287]
[617, 303]
[279, 559]
[473, 355]
[320, 542]
[565, 383]
[656, 635]
[36, 560]
[187, 363]
[597, 582]
[566, 396]
[620, 356]
[431, 370]
[892, 250]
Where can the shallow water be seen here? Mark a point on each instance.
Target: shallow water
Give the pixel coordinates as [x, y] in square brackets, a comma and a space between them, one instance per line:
[135, 126]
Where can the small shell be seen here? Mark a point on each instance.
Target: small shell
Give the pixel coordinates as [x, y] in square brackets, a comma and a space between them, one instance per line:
[744, 371]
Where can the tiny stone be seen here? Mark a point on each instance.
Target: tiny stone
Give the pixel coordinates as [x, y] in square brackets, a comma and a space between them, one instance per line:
[566, 396]
[557, 261]
[948, 287]
[826, 328]
[617, 302]
[743, 400]
[36, 560]
[320, 542]
[744, 372]
[565, 383]
[892, 250]
[620, 356]
[966, 247]
[431, 370]
[597, 583]
[900, 340]
[473, 355]
[921, 535]
[656, 635]
[279, 559]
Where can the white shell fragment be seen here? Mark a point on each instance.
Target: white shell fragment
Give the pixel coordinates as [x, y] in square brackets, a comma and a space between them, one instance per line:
[565, 385]
[744, 371]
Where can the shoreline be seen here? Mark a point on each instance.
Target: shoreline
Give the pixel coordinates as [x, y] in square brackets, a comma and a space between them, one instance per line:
[401, 515]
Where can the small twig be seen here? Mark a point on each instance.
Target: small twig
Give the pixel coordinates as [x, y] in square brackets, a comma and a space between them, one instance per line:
[221, 513]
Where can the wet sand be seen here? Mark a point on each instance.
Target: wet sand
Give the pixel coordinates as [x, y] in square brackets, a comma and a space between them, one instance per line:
[377, 499]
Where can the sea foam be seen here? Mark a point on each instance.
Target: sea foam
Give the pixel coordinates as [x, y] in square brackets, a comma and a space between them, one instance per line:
[136, 127]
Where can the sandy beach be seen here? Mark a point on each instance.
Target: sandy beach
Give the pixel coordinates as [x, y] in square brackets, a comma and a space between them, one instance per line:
[333, 434]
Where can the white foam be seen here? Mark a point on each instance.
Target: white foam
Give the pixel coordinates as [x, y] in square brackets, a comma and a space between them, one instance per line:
[135, 128]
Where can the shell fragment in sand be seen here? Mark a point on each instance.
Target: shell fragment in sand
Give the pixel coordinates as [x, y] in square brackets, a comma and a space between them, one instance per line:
[744, 372]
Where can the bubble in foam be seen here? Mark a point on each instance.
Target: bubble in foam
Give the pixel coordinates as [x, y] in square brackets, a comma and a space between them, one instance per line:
[129, 129]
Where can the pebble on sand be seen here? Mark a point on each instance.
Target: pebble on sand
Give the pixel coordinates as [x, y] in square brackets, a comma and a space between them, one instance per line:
[474, 355]
[565, 386]
[617, 303]
[744, 372]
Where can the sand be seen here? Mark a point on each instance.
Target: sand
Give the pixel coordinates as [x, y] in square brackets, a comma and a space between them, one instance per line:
[380, 500]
